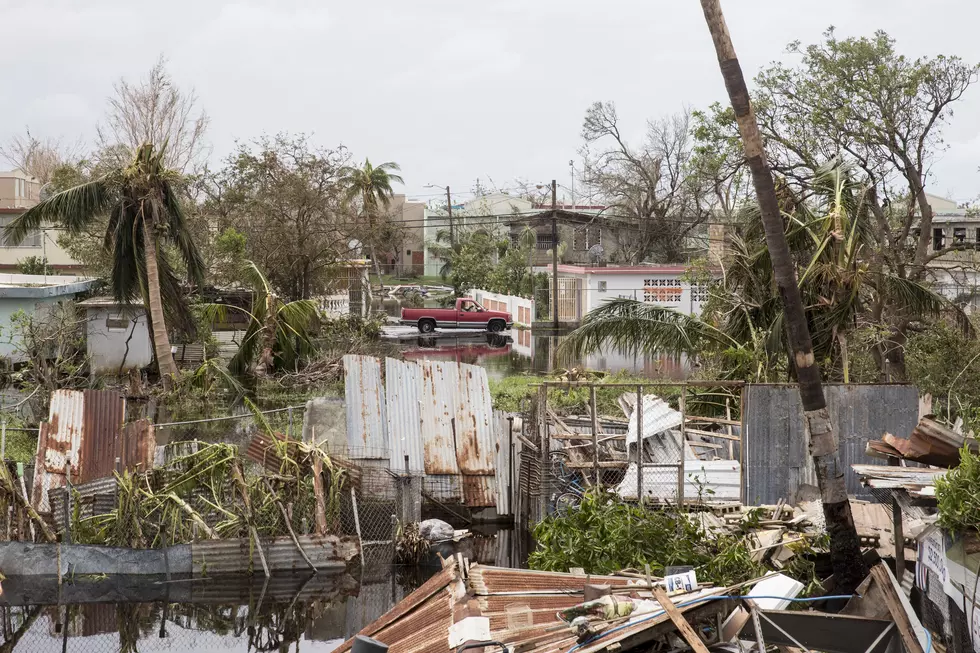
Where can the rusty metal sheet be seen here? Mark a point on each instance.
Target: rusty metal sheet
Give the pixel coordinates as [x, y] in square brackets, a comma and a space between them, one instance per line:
[103, 412]
[137, 446]
[367, 427]
[65, 421]
[440, 382]
[235, 555]
[403, 381]
[503, 472]
[491, 580]
[475, 445]
[479, 491]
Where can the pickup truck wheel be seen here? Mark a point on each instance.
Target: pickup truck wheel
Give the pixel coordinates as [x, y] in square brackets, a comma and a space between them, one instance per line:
[427, 326]
[496, 326]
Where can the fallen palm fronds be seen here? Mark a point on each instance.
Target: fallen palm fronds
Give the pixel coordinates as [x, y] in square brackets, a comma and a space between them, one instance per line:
[205, 491]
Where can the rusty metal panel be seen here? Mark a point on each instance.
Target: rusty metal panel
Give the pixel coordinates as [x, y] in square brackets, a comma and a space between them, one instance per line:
[102, 418]
[235, 555]
[403, 381]
[479, 491]
[440, 382]
[367, 427]
[503, 436]
[475, 445]
[58, 446]
[137, 446]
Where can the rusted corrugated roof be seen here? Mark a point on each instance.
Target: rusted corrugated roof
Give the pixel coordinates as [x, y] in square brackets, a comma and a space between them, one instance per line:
[83, 429]
[235, 555]
[403, 381]
[102, 418]
[440, 382]
[475, 447]
[367, 427]
[137, 446]
[479, 491]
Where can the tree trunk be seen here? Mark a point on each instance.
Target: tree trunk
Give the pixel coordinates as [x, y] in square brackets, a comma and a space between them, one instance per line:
[161, 341]
[845, 549]
[270, 327]
[377, 270]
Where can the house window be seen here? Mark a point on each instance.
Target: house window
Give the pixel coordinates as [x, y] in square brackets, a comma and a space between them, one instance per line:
[602, 286]
[408, 252]
[33, 239]
[978, 236]
[116, 323]
[938, 239]
[959, 235]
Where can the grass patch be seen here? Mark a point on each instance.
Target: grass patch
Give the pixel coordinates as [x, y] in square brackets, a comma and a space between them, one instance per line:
[513, 393]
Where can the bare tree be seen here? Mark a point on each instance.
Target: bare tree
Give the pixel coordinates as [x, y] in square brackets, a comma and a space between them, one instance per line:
[654, 192]
[156, 111]
[39, 158]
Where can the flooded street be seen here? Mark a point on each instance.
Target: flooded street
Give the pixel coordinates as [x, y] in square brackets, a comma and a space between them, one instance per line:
[522, 351]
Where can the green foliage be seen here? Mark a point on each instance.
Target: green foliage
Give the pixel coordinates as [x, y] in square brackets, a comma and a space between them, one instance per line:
[229, 252]
[945, 362]
[21, 444]
[34, 265]
[478, 260]
[513, 392]
[606, 534]
[958, 495]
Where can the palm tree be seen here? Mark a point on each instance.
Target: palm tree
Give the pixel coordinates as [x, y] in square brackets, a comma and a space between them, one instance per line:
[845, 548]
[144, 217]
[372, 186]
[278, 333]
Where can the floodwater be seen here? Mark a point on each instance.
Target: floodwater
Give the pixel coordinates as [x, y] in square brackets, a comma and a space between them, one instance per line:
[290, 612]
[526, 352]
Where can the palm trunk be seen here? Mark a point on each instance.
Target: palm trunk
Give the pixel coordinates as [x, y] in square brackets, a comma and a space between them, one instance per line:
[845, 549]
[161, 341]
[270, 327]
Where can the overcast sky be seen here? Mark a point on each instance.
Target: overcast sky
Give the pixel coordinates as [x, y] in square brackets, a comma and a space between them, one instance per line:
[451, 90]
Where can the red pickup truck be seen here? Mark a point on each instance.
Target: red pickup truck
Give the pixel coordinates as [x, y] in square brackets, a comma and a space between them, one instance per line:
[467, 314]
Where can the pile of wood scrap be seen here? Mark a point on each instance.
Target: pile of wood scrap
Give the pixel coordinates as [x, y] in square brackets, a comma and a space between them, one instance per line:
[918, 481]
[520, 611]
[930, 443]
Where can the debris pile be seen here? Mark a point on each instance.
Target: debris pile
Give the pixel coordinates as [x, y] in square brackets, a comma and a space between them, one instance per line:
[471, 605]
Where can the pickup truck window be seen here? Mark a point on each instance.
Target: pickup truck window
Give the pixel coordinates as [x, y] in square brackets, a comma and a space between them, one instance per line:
[469, 307]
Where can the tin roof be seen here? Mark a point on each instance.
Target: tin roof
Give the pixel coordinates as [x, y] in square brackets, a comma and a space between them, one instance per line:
[367, 427]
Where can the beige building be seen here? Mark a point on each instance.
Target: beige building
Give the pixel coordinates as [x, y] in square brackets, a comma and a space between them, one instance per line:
[19, 192]
[956, 274]
[409, 216]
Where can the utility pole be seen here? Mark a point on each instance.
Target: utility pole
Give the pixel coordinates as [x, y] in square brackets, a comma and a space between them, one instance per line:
[554, 250]
[449, 208]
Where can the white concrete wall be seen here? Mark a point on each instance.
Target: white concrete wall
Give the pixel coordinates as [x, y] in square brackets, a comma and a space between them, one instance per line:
[107, 346]
[10, 306]
[632, 286]
[521, 309]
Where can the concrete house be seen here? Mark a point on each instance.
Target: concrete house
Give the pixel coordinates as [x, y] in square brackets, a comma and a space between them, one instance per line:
[956, 274]
[32, 294]
[19, 192]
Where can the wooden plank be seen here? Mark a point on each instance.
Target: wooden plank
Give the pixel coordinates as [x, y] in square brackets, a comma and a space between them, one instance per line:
[685, 629]
[585, 436]
[714, 434]
[321, 504]
[884, 579]
[713, 420]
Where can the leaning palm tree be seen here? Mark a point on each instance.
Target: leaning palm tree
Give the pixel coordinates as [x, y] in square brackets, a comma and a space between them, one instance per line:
[371, 185]
[144, 218]
[845, 548]
[278, 333]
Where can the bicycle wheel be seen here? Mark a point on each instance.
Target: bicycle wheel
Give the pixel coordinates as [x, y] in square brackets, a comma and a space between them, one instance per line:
[565, 502]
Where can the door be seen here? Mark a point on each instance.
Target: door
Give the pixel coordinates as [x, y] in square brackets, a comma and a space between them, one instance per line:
[471, 315]
[418, 263]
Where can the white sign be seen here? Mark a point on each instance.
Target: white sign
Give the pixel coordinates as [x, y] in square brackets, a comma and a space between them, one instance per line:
[932, 554]
[679, 583]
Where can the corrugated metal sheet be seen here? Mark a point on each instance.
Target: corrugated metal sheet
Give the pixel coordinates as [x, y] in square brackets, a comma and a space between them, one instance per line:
[776, 460]
[403, 381]
[102, 418]
[722, 477]
[504, 469]
[475, 446]
[58, 445]
[137, 446]
[94, 498]
[479, 491]
[440, 382]
[367, 427]
[236, 555]
[658, 417]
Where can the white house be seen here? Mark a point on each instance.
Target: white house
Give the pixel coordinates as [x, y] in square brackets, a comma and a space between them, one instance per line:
[32, 294]
[955, 274]
[582, 288]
